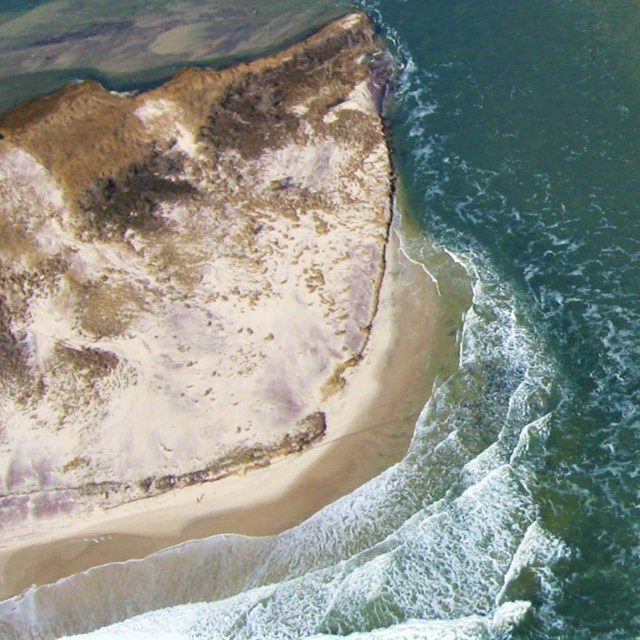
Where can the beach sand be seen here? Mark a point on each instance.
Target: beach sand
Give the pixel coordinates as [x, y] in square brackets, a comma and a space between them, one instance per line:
[411, 343]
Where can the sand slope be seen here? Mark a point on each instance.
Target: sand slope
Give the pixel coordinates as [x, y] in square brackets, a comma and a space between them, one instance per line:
[186, 273]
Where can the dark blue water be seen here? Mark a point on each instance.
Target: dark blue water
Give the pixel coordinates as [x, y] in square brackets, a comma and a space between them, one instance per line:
[515, 132]
[528, 157]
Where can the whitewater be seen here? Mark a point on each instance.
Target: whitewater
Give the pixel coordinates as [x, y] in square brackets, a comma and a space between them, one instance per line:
[514, 130]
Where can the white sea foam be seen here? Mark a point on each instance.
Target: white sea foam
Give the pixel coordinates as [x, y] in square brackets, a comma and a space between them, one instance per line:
[355, 564]
[473, 627]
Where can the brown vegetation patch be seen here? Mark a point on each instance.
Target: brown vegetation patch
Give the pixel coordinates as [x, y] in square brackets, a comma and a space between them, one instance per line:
[14, 242]
[107, 310]
[336, 380]
[87, 364]
[250, 117]
[255, 113]
[16, 290]
[354, 127]
[12, 351]
[131, 198]
[76, 463]
[78, 133]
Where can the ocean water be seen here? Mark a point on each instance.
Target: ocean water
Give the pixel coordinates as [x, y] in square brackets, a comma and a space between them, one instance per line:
[515, 130]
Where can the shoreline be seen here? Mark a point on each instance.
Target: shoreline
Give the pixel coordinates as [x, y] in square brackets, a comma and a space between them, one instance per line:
[409, 346]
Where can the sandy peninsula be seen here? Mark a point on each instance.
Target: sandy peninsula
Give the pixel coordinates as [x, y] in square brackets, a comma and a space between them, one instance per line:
[206, 321]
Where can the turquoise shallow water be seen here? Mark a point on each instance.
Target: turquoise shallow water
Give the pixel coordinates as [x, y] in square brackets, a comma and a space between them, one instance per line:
[45, 44]
[515, 132]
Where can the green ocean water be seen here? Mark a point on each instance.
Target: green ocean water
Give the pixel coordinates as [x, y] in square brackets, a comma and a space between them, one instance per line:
[515, 130]
[133, 45]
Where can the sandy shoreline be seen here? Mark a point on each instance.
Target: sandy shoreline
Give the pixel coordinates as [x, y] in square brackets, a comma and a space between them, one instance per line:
[409, 345]
[238, 346]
